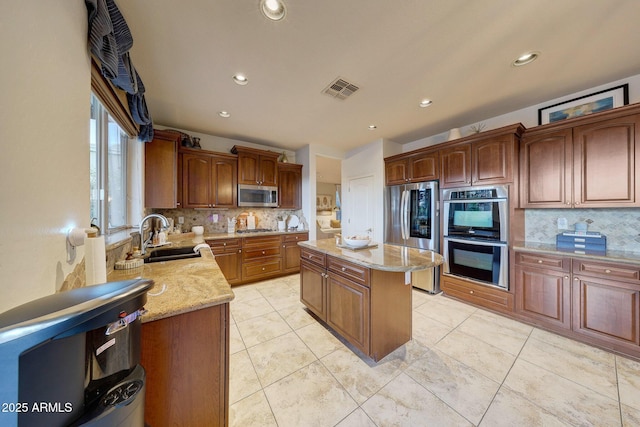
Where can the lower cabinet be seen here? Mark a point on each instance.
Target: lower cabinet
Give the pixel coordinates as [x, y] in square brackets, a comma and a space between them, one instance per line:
[248, 259]
[369, 308]
[590, 300]
[178, 393]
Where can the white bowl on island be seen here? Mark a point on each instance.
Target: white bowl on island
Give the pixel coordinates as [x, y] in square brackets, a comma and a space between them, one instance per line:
[357, 241]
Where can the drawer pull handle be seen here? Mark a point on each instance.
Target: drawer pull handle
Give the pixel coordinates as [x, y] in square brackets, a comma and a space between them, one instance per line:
[539, 261]
[263, 252]
[471, 292]
[344, 269]
[566, 277]
[262, 268]
[607, 271]
[576, 279]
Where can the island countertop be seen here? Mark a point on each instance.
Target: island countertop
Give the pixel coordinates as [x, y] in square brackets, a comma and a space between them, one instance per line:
[181, 286]
[383, 257]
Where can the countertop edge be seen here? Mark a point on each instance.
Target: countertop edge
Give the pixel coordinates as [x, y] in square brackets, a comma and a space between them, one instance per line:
[623, 257]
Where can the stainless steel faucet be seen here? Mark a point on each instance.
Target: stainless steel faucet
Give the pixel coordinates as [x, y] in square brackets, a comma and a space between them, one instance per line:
[143, 243]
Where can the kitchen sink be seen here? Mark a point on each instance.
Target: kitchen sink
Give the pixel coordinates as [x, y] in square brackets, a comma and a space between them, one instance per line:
[170, 254]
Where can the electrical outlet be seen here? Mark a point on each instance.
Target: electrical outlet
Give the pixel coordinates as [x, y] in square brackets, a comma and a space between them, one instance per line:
[180, 220]
[563, 224]
[214, 218]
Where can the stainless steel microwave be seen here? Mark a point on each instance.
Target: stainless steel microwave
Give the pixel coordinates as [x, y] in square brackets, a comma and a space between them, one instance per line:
[257, 196]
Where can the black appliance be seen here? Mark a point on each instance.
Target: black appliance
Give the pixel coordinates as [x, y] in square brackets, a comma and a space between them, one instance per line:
[479, 260]
[73, 358]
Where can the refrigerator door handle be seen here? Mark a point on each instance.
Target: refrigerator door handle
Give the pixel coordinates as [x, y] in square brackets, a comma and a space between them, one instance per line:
[402, 215]
[405, 214]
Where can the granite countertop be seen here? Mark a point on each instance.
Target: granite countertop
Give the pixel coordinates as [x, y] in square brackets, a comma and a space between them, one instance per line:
[383, 257]
[180, 286]
[625, 257]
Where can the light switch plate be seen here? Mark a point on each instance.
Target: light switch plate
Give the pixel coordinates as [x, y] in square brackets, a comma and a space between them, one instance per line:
[180, 220]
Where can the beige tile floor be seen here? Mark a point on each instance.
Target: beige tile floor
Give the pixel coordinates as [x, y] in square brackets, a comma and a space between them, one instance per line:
[465, 366]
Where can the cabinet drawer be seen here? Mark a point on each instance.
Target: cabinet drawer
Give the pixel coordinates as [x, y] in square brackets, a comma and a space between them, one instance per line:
[255, 253]
[224, 245]
[316, 257]
[628, 273]
[485, 296]
[348, 269]
[267, 267]
[543, 261]
[260, 242]
[297, 237]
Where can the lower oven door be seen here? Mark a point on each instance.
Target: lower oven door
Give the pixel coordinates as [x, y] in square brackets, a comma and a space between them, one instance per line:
[478, 260]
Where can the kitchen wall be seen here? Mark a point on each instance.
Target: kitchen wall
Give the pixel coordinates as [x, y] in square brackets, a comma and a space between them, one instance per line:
[45, 83]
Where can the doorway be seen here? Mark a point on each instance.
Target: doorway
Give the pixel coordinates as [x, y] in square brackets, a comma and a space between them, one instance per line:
[328, 221]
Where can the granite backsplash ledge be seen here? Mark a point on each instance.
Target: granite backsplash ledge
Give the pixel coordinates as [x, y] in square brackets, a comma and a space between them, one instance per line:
[621, 225]
[265, 218]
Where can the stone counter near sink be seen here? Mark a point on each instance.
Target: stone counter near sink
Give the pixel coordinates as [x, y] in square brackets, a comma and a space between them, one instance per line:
[181, 286]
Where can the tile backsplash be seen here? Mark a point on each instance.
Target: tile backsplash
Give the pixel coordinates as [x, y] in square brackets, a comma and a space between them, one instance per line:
[621, 226]
[265, 218]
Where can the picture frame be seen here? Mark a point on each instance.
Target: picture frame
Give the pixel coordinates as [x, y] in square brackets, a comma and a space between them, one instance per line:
[324, 202]
[584, 105]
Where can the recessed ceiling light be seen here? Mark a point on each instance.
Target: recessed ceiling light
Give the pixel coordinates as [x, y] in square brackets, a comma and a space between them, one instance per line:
[425, 103]
[273, 9]
[372, 127]
[224, 114]
[525, 59]
[240, 79]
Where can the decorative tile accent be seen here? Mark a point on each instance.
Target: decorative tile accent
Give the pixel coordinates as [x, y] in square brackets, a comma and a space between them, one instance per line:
[621, 226]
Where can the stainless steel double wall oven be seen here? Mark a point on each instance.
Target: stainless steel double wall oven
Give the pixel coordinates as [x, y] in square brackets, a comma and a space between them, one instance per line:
[475, 230]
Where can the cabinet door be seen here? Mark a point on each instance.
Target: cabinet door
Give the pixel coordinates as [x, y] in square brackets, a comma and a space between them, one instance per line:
[455, 166]
[248, 166]
[313, 289]
[348, 310]
[544, 295]
[268, 172]
[196, 181]
[290, 186]
[291, 255]
[493, 161]
[224, 184]
[424, 167]
[606, 310]
[604, 163]
[160, 172]
[396, 172]
[546, 170]
[230, 264]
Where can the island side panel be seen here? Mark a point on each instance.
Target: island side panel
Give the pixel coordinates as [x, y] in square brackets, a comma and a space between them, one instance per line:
[186, 360]
[391, 312]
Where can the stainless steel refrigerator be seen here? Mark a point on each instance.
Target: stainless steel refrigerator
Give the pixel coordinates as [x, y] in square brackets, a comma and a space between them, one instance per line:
[412, 220]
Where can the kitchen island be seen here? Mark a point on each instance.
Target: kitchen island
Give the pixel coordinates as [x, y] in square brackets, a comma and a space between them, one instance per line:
[185, 340]
[364, 295]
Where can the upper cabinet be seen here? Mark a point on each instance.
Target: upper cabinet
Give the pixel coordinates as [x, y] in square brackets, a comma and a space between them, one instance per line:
[161, 170]
[406, 168]
[256, 167]
[289, 186]
[587, 162]
[486, 158]
[208, 180]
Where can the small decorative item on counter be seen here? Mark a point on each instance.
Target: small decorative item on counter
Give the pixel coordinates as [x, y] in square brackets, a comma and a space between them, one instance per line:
[251, 221]
[284, 159]
[198, 230]
[231, 225]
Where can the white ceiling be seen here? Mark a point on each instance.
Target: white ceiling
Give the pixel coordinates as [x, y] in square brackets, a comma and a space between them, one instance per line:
[455, 52]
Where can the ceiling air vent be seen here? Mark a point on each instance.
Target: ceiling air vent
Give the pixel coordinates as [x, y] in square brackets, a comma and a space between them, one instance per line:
[340, 88]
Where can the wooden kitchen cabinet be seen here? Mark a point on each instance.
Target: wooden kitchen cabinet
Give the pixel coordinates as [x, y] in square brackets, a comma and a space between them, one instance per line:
[289, 186]
[487, 158]
[582, 163]
[209, 180]
[291, 251]
[478, 294]
[369, 308]
[407, 167]
[186, 359]
[606, 302]
[261, 257]
[257, 167]
[161, 170]
[228, 255]
[543, 288]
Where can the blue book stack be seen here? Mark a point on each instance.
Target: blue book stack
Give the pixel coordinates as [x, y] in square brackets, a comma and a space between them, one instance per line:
[588, 242]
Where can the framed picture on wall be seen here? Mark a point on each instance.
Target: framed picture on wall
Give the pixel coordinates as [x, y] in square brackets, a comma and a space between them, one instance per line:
[324, 202]
[588, 104]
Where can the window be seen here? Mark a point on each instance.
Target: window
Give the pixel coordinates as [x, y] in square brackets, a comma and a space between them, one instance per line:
[108, 169]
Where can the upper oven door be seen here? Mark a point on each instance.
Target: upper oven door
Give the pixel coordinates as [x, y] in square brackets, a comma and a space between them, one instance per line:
[481, 219]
